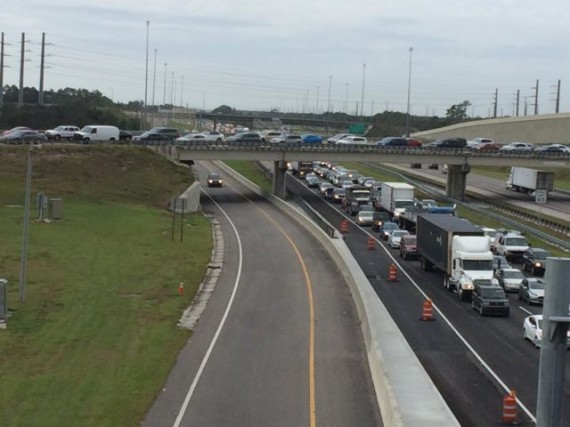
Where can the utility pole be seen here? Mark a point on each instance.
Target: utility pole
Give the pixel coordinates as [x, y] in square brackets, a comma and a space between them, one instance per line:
[154, 79]
[329, 101]
[518, 100]
[164, 95]
[172, 90]
[42, 65]
[346, 99]
[317, 106]
[362, 96]
[409, 90]
[146, 77]
[536, 98]
[21, 91]
[1, 72]
[495, 101]
[182, 91]
[558, 98]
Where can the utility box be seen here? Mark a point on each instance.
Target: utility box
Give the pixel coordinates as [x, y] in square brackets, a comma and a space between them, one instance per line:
[3, 300]
[55, 209]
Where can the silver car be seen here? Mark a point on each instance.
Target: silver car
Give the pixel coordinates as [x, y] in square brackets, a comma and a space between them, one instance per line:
[509, 278]
[395, 238]
[365, 217]
[531, 290]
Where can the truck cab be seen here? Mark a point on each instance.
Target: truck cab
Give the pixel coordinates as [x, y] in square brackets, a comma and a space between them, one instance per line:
[511, 246]
[472, 260]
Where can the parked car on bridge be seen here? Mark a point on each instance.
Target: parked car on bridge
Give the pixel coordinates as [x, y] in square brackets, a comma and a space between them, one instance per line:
[267, 136]
[333, 139]
[62, 132]
[447, 143]
[191, 137]
[392, 141]
[352, 140]
[476, 141]
[486, 147]
[244, 137]
[287, 139]
[517, 146]
[159, 134]
[310, 138]
[214, 136]
[551, 148]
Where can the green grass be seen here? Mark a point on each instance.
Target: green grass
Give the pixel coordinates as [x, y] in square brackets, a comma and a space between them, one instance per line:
[252, 172]
[96, 336]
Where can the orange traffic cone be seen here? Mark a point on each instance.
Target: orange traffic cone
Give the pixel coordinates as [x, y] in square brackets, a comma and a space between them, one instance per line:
[427, 310]
[181, 289]
[510, 409]
[393, 273]
[344, 226]
[371, 243]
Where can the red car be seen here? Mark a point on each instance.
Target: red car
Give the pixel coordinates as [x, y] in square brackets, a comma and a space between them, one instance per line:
[408, 247]
[487, 147]
[413, 142]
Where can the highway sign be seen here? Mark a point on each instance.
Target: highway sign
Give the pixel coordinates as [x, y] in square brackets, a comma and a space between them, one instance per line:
[541, 196]
[357, 128]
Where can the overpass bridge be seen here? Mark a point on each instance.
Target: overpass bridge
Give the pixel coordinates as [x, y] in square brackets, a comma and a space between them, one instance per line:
[459, 161]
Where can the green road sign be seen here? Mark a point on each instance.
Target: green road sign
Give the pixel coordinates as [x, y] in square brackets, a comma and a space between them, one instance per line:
[357, 128]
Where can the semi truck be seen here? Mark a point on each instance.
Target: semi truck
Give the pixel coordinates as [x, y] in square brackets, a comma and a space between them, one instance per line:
[396, 197]
[526, 180]
[300, 168]
[408, 219]
[355, 197]
[457, 248]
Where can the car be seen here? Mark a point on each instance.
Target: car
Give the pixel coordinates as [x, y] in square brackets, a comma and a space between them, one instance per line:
[325, 187]
[333, 139]
[476, 141]
[486, 147]
[365, 217]
[534, 260]
[214, 180]
[287, 139]
[511, 246]
[532, 290]
[564, 148]
[312, 181]
[352, 140]
[489, 298]
[23, 136]
[62, 132]
[244, 138]
[392, 141]
[310, 138]
[413, 142]
[395, 237]
[362, 179]
[267, 136]
[338, 194]
[447, 143]
[509, 278]
[380, 218]
[346, 184]
[551, 148]
[191, 137]
[160, 133]
[533, 326]
[14, 129]
[387, 228]
[214, 136]
[517, 146]
[125, 136]
[408, 246]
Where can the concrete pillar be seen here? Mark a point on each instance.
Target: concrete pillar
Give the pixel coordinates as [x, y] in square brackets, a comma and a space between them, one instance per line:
[457, 181]
[279, 173]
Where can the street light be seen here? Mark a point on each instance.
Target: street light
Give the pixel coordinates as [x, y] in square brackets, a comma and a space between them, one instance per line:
[146, 76]
[409, 88]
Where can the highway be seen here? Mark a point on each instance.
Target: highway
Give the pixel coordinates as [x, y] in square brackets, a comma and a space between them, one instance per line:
[279, 343]
[472, 360]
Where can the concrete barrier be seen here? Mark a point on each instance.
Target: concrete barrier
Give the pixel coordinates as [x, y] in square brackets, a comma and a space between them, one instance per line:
[188, 201]
[406, 394]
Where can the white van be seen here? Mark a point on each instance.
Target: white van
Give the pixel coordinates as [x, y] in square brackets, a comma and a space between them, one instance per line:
[97, 133]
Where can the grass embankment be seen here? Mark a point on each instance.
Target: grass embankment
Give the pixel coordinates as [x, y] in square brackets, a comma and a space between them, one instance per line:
[252, 172]
[96, 336]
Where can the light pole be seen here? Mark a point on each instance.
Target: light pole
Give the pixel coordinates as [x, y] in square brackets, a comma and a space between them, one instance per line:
[362, 97]
[329, 100]
[154, 78]
[146, 75]
[346, 100]
[164, 94]
[409, 88]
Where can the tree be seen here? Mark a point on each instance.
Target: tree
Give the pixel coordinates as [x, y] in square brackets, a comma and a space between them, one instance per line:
[223, 109]
[458, 112]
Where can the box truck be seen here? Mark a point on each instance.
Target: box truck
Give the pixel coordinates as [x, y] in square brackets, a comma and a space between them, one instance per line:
[396, 197]
[527, 180]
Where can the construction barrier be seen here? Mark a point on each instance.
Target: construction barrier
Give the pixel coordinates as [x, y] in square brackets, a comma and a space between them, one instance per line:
[393, 273]
[427, 310]
[181, 289]
[371, 243]
[344, 226]
[510, 409]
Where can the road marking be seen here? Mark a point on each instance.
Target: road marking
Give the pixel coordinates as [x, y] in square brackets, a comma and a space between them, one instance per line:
[220, 326]
[446, 320]
[525, 310]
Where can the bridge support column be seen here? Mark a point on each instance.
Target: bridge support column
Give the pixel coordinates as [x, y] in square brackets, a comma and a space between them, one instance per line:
[279, 174]
[457, 181]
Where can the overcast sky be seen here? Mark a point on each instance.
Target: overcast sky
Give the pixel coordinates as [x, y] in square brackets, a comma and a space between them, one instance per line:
[263, 54]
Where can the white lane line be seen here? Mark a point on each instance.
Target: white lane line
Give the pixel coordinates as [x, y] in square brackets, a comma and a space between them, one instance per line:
[525, 310]
[220, 326]
[461, 338]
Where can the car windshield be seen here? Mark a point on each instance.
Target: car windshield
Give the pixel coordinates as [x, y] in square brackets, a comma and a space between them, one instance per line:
[366, 214]
[541, 254]
[409, 240]
[477, 264]
[214, 176]
[402, 204]
[391, 226]
[535, 284]
[492, 293]
[399, 233]
[516, 241]
[513, 274]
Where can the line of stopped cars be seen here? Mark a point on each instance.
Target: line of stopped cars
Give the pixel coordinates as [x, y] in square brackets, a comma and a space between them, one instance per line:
[483, 270]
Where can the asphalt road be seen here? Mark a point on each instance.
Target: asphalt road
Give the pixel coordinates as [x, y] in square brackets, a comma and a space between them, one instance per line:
[472, 360]
[279, 343]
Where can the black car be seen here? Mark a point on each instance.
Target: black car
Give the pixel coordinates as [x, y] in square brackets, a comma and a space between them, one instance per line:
[338, 194]
[392, 141]
[489, 298]
[159, 134]
[214, 180]
[379, 219]
[244, 137]
[448, 143]
[534, 260]
[125, 136]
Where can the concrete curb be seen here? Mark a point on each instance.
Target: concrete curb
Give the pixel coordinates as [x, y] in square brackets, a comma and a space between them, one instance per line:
[405, 393]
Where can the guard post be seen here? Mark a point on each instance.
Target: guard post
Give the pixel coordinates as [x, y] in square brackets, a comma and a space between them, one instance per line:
[556, 319]
[3, 302]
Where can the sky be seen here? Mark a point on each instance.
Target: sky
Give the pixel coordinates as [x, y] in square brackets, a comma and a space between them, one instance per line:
[299, 55]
